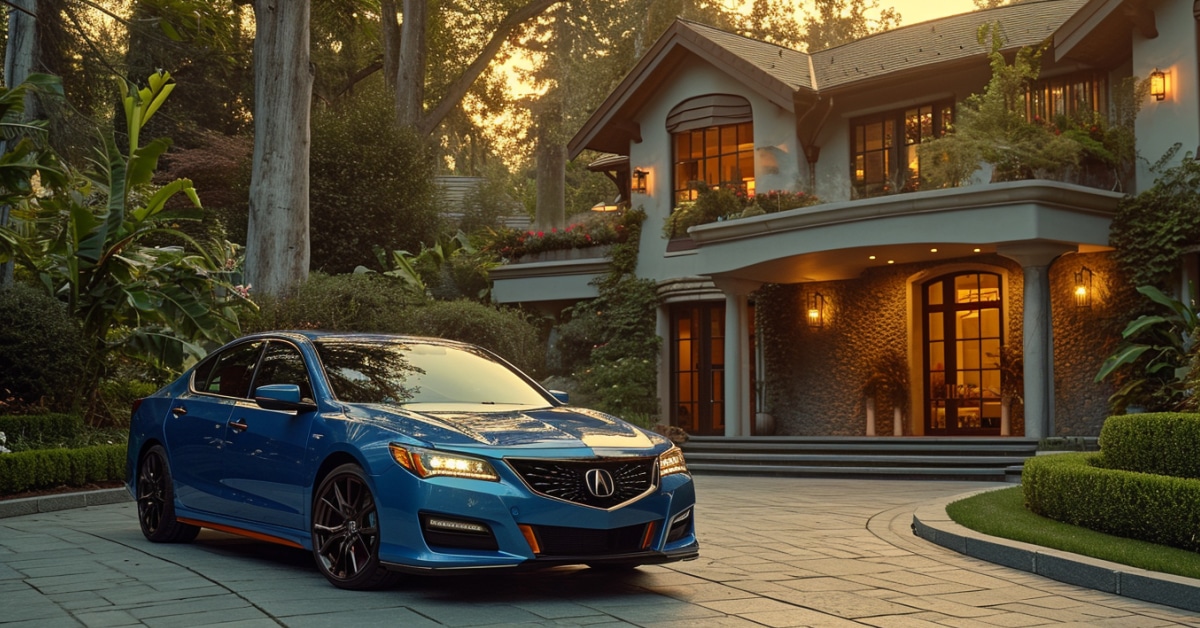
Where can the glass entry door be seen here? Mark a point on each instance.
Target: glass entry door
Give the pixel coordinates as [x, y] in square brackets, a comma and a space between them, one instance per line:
[698, 368]
[963, 336]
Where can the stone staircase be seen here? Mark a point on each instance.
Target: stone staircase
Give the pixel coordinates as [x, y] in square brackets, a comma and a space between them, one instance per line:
[900, 457]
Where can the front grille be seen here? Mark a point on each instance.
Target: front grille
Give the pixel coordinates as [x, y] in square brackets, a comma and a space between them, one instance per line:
[567, 479]
[559, 541]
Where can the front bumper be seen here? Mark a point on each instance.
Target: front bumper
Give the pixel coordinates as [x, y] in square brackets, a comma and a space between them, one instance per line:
[512, 527]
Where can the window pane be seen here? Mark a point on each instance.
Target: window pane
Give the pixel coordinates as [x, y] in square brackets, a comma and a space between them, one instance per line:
[712, 142]
[728, 139]
[745, 137]
[874, 136]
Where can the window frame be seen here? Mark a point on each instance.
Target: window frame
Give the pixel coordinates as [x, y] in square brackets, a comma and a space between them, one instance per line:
[897, 149]
[741, 151]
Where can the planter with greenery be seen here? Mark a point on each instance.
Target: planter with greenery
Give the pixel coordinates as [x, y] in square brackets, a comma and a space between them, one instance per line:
[729, 203]
[591, 230]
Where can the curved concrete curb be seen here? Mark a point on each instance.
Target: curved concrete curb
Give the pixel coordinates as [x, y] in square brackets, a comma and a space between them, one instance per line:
[931, 523]
[62, 501]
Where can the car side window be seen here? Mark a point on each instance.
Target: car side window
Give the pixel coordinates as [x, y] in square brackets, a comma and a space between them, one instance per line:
[231, 371]
[283, 364]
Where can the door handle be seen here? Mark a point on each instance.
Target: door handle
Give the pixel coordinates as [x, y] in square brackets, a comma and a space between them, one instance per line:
[238, 424]
[179, 410]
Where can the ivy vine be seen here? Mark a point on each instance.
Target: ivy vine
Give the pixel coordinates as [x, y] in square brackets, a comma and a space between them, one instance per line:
[1153, 230]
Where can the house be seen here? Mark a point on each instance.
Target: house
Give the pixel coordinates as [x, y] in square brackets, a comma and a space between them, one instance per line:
[781, 323]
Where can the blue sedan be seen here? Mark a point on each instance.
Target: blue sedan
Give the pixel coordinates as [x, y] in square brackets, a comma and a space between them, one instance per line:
[385, 454]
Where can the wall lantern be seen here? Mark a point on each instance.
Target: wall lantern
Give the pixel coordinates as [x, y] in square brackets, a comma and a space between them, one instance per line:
[641, 181]
[1083, 288]
[816, 310]
[1158, 84]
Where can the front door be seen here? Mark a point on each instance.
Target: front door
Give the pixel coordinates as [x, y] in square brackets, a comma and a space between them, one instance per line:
[963, 336]
[698, 368]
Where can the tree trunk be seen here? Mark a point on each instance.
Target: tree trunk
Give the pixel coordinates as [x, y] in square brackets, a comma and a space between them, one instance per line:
[390, 42]
[277, 241]
[18, 63]
[410, 75]
[551, 169]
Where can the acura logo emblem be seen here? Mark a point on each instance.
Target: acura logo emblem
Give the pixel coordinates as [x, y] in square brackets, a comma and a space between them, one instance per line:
[600, 482]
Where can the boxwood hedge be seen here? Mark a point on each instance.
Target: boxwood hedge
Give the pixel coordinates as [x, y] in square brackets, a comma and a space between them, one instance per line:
[50, 426]
[47, 468]
[1140, 485]
[1164, 443]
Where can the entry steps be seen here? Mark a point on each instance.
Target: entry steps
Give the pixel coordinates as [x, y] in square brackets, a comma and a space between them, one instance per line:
[902, 457]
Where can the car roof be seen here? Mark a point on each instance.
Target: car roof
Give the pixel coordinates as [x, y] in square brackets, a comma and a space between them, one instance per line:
[316, 335]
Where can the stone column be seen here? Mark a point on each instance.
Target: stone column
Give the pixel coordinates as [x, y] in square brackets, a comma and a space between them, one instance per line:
[1038, 337]
[737, 355]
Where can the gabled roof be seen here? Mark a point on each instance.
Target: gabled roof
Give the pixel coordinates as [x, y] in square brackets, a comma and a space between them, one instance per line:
[783, 76]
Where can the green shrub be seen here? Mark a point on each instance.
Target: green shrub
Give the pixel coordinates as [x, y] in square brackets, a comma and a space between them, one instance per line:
[1163, 443]
[1072, 488]
[47, 468]
[41, 351]
[352, 302]
[43, 427]
[504, 331]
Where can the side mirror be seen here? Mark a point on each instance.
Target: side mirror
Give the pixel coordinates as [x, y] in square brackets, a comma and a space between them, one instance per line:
[561, 396]
[284, 397]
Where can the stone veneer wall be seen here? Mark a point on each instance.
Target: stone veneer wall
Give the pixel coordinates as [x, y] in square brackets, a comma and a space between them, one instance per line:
[815, 376]
[1083, 338]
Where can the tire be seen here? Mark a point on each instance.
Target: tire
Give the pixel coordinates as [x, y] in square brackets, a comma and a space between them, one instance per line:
[345, 532]
[156, 500]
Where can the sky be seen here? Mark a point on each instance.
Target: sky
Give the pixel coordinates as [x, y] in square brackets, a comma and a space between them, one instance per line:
[913, 11]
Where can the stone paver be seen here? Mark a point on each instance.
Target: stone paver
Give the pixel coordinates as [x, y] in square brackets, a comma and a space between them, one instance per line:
[775, 552]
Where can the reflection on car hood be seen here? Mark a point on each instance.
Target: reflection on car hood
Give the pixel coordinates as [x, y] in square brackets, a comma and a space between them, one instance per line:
[547, 427]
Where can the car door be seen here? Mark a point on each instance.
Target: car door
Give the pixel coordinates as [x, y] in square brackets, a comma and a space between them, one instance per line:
[196, 428]
[265, 459]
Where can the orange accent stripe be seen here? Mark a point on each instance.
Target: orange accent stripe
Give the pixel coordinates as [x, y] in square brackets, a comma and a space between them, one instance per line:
[240, 532]
[530, 538]
[649, 538]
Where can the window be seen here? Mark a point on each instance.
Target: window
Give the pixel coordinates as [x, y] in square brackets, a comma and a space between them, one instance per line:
[884, 156]
[229, 373]
[283, 364]
[717, 155]
[1075, 96]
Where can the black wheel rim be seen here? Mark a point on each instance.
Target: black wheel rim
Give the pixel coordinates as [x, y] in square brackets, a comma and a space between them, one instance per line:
[345, 528]
[152, 492]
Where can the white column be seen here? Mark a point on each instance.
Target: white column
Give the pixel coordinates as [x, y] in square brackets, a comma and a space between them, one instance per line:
[1037, 345]
[662, 327]
[737, 355]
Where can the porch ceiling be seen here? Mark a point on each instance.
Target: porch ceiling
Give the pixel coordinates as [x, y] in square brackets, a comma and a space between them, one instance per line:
[836, 240]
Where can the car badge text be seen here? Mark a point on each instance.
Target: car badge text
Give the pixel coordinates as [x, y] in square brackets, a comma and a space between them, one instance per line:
[600, 482]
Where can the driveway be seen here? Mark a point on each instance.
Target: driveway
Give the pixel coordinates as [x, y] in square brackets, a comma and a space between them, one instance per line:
[775, 552]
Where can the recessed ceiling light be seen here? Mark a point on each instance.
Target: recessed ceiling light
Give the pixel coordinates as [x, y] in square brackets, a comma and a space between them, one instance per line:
[933, 250]
[871, 257]
[977, 250]
[891, 261]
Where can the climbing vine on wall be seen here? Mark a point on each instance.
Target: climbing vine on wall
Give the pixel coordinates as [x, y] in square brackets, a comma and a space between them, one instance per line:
[1153, 230]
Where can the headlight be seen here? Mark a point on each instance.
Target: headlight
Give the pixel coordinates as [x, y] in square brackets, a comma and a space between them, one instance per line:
[671, 462]
[427, 463]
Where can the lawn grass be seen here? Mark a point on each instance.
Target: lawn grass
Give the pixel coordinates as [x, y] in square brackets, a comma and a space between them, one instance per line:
[1002, 513]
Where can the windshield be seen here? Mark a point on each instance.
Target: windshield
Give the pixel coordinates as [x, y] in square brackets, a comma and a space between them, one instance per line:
[381, 371]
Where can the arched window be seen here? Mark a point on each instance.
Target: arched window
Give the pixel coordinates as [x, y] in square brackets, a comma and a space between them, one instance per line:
[713, 142]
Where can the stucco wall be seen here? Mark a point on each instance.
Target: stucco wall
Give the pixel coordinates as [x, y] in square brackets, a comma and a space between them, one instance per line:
[1176, 119]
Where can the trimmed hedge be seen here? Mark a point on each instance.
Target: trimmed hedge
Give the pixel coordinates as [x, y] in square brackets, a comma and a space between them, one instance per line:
[1074, 488]
[1164, 443]
[50, 426]
[47, 468]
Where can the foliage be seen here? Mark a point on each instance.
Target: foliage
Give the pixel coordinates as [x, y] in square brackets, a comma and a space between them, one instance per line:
[1159, 357]
[888, 380]
[1002, 513]
[51, 426]
[486, 205]
[372, 184]
[1161, 443]
[1153, 230]
[451, 269]
[991, 127]
[729, 203]
[87, 239]
[46, 468]
[1074, 488]
[41, 351]
[505, 331]
[352, 302]
[837, 22]
[590, 229]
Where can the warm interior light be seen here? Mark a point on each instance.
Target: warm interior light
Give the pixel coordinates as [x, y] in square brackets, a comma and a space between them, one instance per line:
[977, 250]
[816, 310]
[871, 257]
[1158, 84]
[933, 250]
[1083, 288]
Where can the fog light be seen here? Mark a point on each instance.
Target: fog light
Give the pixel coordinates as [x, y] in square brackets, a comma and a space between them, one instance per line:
[453, 525]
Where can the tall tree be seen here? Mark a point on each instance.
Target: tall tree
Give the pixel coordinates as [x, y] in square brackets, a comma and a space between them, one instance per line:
[19, 58]
[835, 22]
[277, 239]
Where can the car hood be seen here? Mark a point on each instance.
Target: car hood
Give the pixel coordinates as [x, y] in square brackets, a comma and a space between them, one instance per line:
[547, 427]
